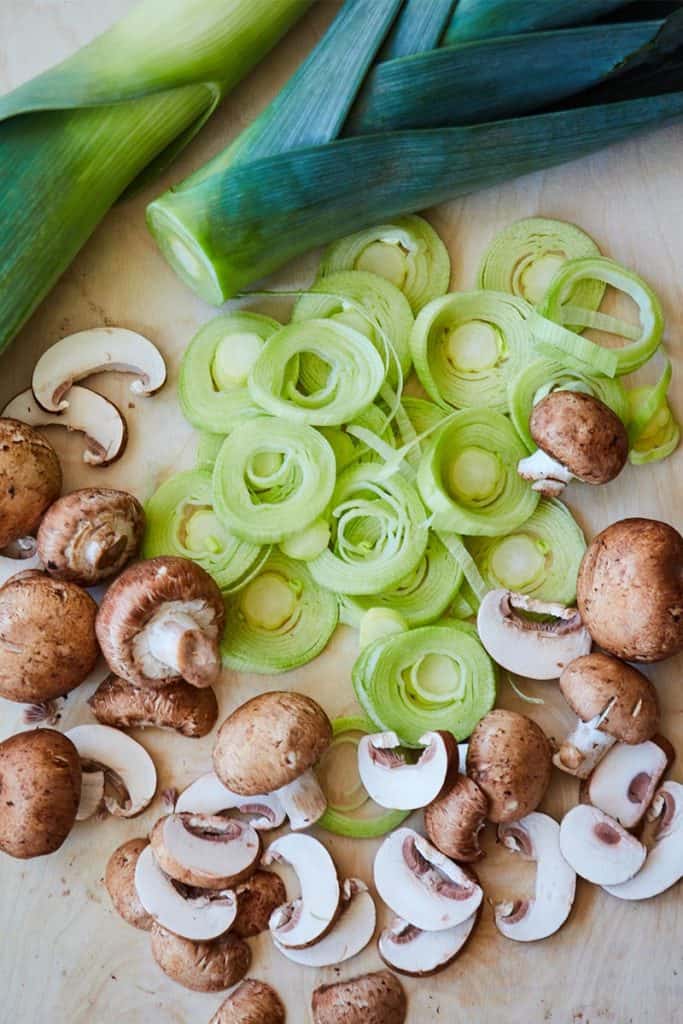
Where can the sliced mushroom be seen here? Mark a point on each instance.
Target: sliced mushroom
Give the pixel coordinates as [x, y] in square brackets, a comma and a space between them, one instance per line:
[409, 950]
[510, 759]
[127, 767]
[252, 1002]
[257, 898]
[304, 920]
[421, 885]
[92, 793]
[302, 800]
[30, 480]
[192, 917]
[178, 706]
[350, 933]
[392, 781]
[205, 851]
[91, 414]
[200, 966]
[100, 348]
[208, 795]
[119, 880]
[624, 782]
[370, 999]
[537, 837]
[455, 818]
[664, 864]
[598, 848]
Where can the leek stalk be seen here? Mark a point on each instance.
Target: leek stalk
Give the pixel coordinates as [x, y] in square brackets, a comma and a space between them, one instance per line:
[485, 19]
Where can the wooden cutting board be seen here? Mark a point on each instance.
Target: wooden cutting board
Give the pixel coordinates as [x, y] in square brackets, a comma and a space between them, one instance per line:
[65, 958]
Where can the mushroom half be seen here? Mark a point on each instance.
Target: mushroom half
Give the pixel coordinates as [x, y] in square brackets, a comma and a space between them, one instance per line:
[350, 933]
[625, 781]
[124, 763]
[598, 848]
[306, 919]
[208, 795]
[664, 864]
[376, 998]
[409, 950]
[392, 781]
[206, 851]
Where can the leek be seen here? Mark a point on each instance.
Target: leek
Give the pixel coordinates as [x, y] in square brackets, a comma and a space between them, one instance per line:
[653, 431]
[419, 27]
[377, 623]
[208, 447]
[347, 447]
[485, 19]
[423, 415]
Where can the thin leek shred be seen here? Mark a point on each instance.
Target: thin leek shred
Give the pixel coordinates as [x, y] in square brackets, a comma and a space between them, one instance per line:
[348, 447]
[486, 19]
[653, 431]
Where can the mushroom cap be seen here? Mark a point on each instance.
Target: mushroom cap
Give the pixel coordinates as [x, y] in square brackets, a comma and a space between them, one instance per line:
[510, 759]
[40, 787]
[376, 998]
[30, 479]
[89, 535]
[252, 1002]
[630, 590]
[453, 821]
[49, 643]
[590, 683]
[257, 898]
[187, 709]
[119, 881]
[201, 966]
[269, 741]
[582, 433]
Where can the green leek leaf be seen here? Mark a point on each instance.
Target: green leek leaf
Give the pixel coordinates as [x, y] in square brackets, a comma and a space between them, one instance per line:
[485, 19]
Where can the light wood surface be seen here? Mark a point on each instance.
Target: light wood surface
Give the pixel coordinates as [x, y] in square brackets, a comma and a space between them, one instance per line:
[65, 957]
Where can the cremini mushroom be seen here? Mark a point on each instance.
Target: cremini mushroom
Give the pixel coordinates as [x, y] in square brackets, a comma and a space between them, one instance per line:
[417, 953]
[178, 706]
[630, 590]
[40, 786]
[393, 781]
[577, 436]
[257, 898]
[89, 535]
[624, 782]
[119, 881]
[351, 932]
[48, 637]
[200, 966]
[598, 848]
[160, 622]
[613, 701]
[252, 1002]
[370, 999]
[208, 795]
[30, 480]
[128, 770]
[664, 863]
[307, 918]
[510, 759]
[205, 851]
[454, 819]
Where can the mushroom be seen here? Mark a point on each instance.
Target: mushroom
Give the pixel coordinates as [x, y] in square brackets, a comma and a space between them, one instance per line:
[89, 535]
[48, 637]
[96, 417]
[200, 966]
[598, 848]
[160, 622]
[370, 999]
[126, 766]
[303, 921]
[455, 818]
[421, 885]
[205, 851]
[40, 786]
[119, 881]
[30, 480]
[409, 950]
[176, 908]
[664, 863]
[510, 759]
[92, 792]
[94, 351]
[257, 898]
[269, 745]
[613, 701]
[252, 1002]
[537, 837]
[624, 782]
[577, 436]
[392, 781]
[208, 795]
[630, 590]
[350, 933]
[178, 706]
[535, 648]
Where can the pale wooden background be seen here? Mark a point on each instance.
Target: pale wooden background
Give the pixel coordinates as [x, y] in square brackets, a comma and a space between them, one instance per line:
[65, 958]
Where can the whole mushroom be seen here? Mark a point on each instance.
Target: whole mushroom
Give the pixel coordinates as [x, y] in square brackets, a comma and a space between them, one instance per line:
[119, 881]
[201, 966]
[30, 479]
[371, 999]
[455, 818]
[252, 1002]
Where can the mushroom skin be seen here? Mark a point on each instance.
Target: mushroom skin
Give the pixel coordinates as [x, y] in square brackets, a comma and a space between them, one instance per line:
[252, 1002]
[161, 622]
[178, 706]
[40, 787]
[200, 966]
[48, 631]
[30, 479]
[630, 590]
[510, 759]
[119, 881]
[377, 998]
[454, 820]
[90, 534]
[212, 831]
[257, 898]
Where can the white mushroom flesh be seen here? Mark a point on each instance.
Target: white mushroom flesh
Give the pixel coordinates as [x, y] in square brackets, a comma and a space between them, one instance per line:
[125, 763]
[546, 474]
[392, 781]
[194, 841]
[624, 782]
[584, 747]
[303, 920]
[410, 950]
[664, 864]
[92, 794]
[350, 933]
[598, 848]
[302, 800]
[208, 795]
[158, 646]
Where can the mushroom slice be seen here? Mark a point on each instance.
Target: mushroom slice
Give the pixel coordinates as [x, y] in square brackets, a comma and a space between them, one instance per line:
[624, 782]
[92, 793]
[303, 921]
[94, 351]
[664, 864]
[409, 950]
[302, 800]
[125, 763]
[204, 850]
[103, 425]
[598, 848]
[370, 999]
[198, 918]
[421, 885]
[392, 781]
[208, 795]
[546, 474]
[537, 838]
[252, 1002]
[351, 932]
[530, 647]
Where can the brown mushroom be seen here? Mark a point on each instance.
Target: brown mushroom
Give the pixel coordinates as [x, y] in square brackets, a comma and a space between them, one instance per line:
[510, 759]
[370, 999]
[160, 622]
[201, 966]
[630, 590]
[89, 535]
[206, 851]
[179, 706]
[253, 1002]
[454, 820]
[257, 898]
[119, 881]
[48, 637]
[40, 787]
[30, 479]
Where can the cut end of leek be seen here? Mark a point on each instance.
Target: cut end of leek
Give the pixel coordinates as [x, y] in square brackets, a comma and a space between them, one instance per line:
[380, 622]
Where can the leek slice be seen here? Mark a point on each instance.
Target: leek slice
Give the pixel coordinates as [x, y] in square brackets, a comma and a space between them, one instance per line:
[272, 478]
[207, 398]
[559, 306]
[653, 431]
[435, 677]
[350, 811]
[307, 544]
[280, 620]
[486, 19]
[540, 558]
[424, 416]
[407, 252]
[181, 521]
[348, 448]
[376, 623]
[468, 476]
[379, 532]
[208, 448]
[355, 373]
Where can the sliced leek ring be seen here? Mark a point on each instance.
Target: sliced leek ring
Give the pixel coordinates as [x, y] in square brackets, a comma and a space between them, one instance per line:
[208, 448]
[653, 431]
[424, 416]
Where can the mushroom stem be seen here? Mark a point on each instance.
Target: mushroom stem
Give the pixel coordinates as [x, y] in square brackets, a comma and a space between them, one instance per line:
[584, 747]
[176, 641]
[548, 475]
[303, 801]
